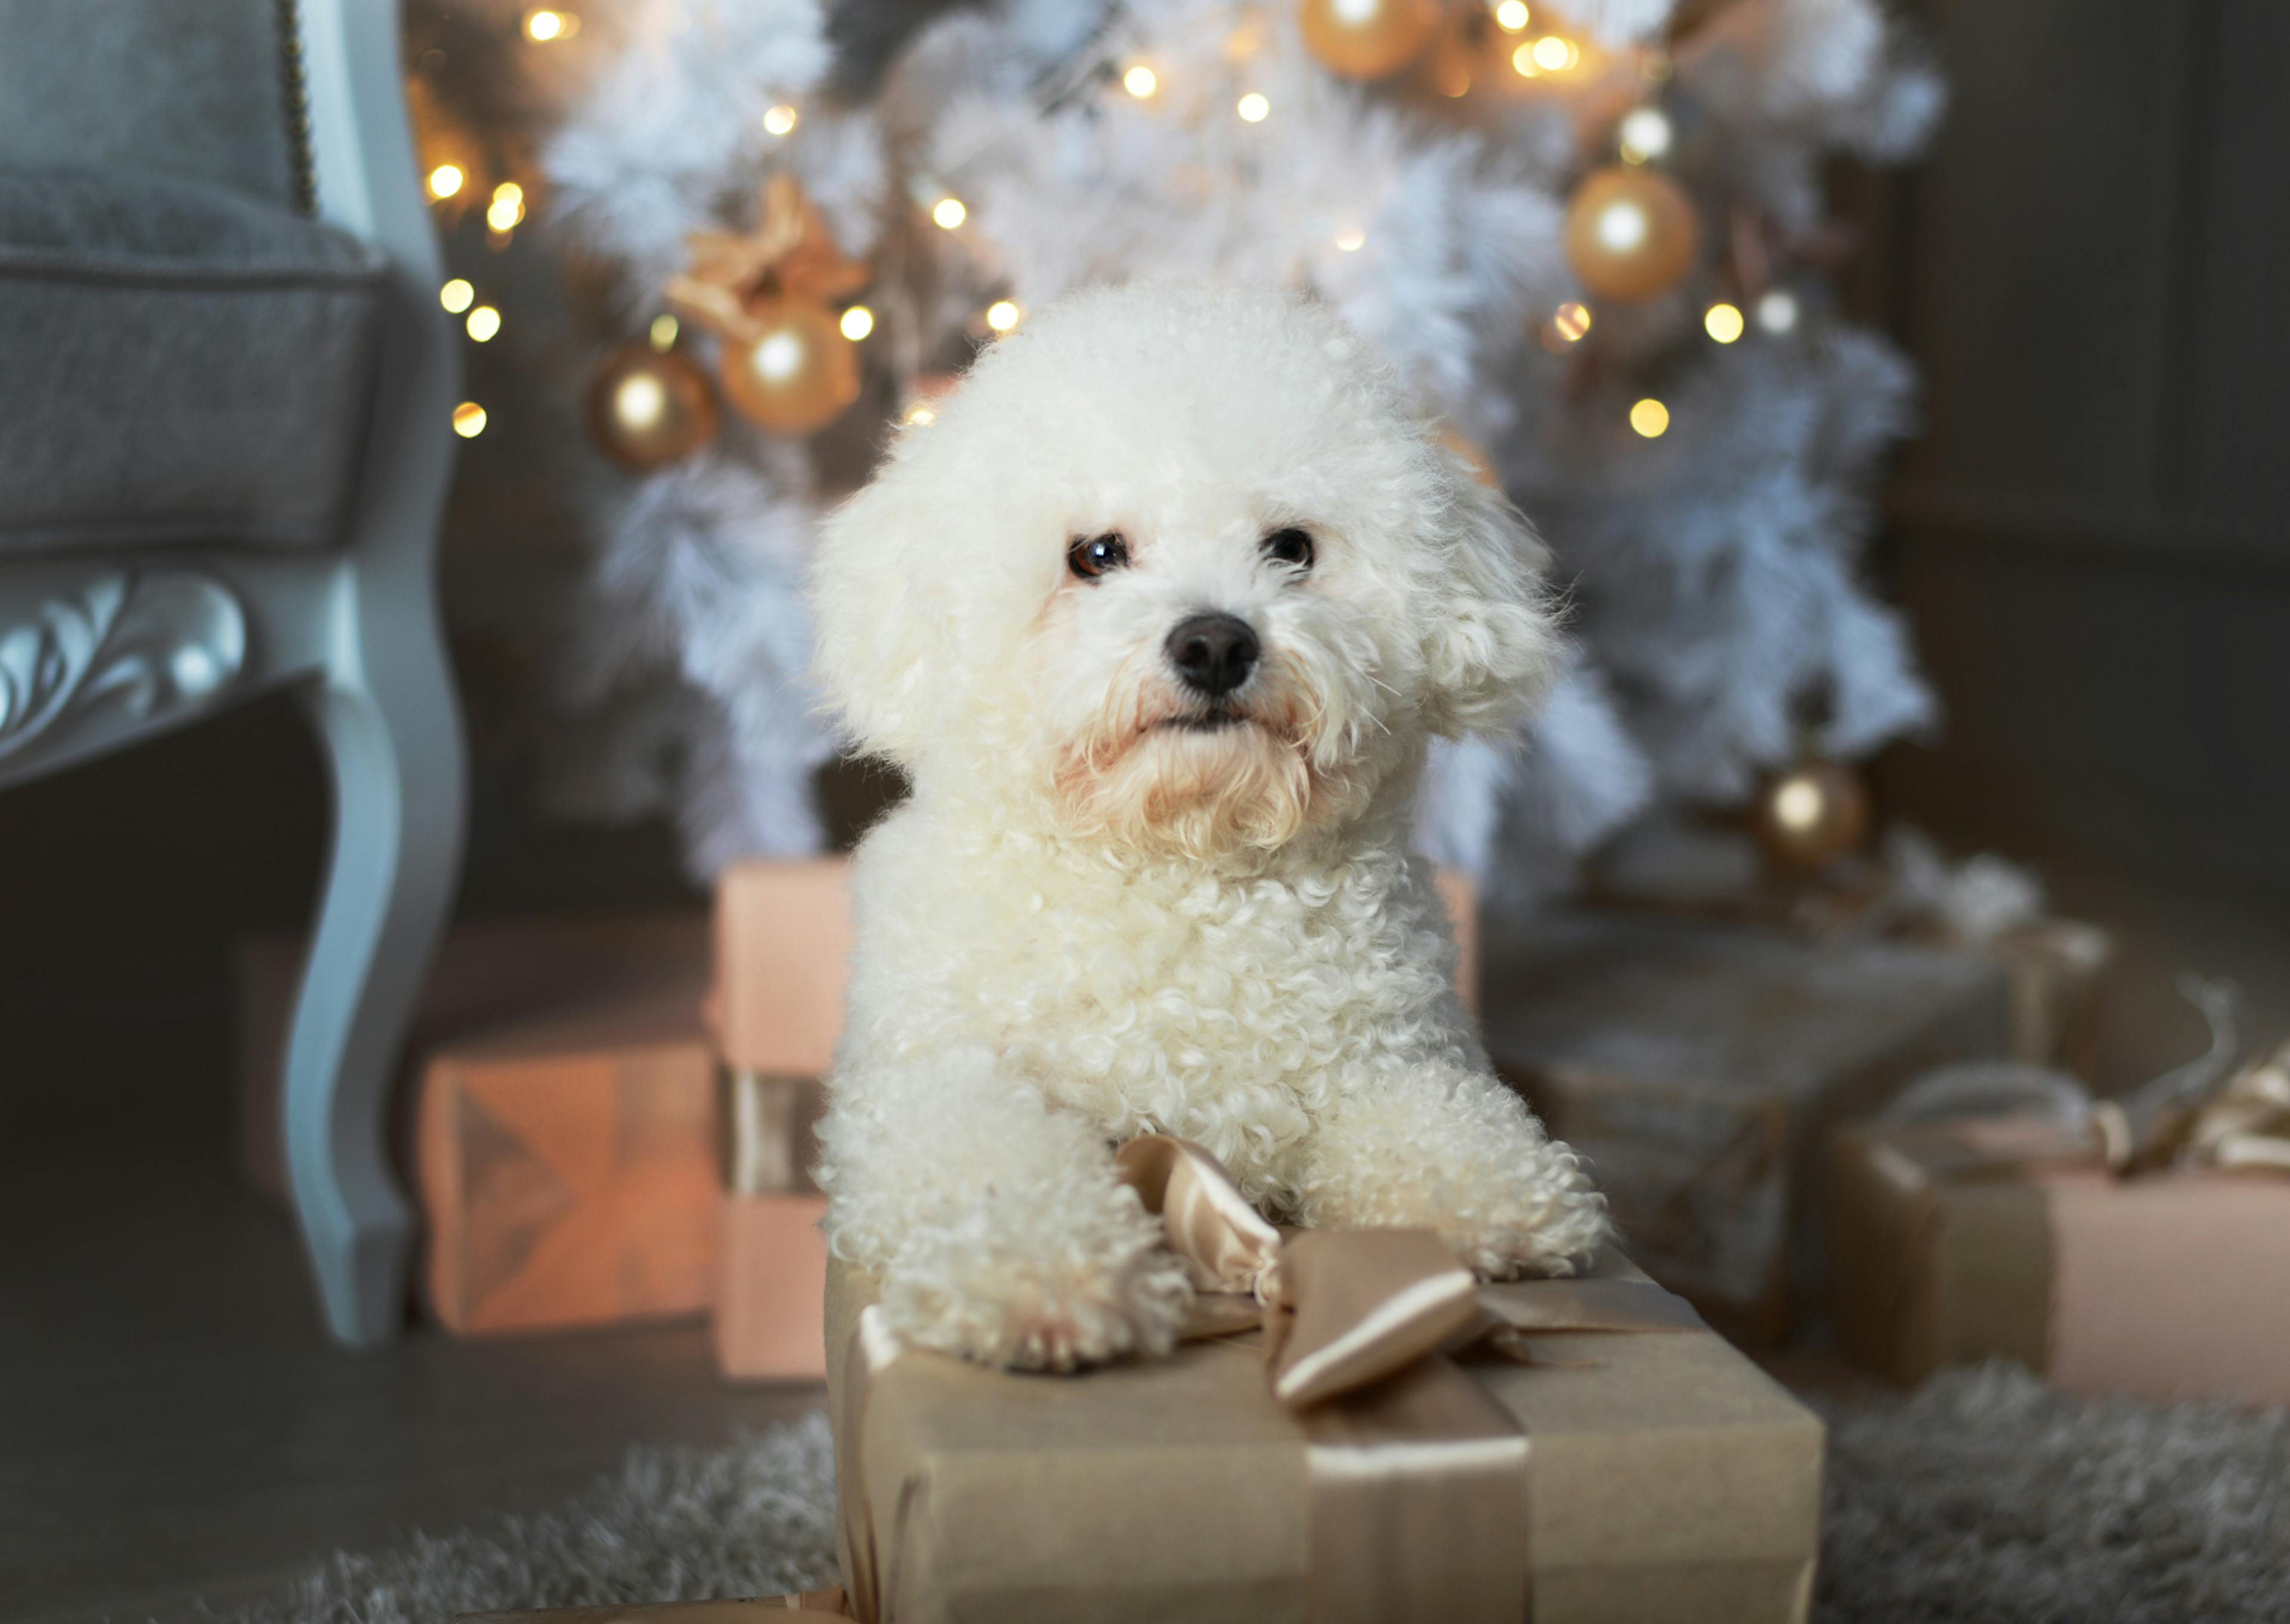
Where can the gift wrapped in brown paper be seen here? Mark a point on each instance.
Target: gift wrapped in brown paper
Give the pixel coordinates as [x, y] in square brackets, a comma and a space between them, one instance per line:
[1633, 1466]
[2139, 1247]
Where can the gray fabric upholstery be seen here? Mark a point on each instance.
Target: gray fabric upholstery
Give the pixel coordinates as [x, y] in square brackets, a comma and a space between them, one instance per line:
[188, 87]
[183, 364]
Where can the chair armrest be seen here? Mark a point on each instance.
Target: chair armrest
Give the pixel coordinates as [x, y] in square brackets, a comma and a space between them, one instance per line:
[368, 178]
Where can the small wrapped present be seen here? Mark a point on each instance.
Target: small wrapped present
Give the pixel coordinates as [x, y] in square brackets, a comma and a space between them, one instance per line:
[769, 1301]
[1698, 1066]
[567, 1166]
[2138, 1246]
[1370, 1448]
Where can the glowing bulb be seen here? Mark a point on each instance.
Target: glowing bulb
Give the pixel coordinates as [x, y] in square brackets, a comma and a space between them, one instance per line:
[1797, 805]
[1553, 54]
[1511, 16]
[639, 401]
[949, 212]
[1723, 322]
[1571, 321]
[919, 415]
[1140, 82]
[468, 420]
[1523, 59]
[1650, 418]
[544, 25]
[664, 330]
[1622, 226]
[1777, 311]
[857, 323]
[1254, 107]
[446, 180]
[1351, 239]
[1645, 134]
[484, 321]
[508, 206]
[780, 120]
[1002, 315]
[456, 295]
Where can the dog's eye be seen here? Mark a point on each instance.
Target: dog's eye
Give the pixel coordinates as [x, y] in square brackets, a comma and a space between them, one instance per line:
[1289, 547]
[1092, 557]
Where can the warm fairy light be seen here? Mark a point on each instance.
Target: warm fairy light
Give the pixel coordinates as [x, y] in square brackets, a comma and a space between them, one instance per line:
[1512, 15]
[1553, 54]
[1003, 315]
[1140, 82]
[949, 212]
[857, 323]
[456, 295]
[639, 401]
[484, 321]
[1351, 239]
[662, 332]
[1254, 107]
[508, 206]
[1644, 134]
[446, 180]
[1797, 804]
[1571, 321]
[780, 120]
[920, 414]
[468, 420]
[1650, 418]
[1723, 322]
[1622, 226]
[544, 25]
[1777, 311]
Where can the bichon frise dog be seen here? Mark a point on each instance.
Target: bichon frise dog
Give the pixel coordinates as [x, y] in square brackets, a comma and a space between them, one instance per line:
[1159, 617]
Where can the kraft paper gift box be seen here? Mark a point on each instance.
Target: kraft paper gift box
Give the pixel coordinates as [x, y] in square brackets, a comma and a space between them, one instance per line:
[2166, 1285]
[568, 1166]
[1647, 1475]
[773, 1279]
[1699, 1066]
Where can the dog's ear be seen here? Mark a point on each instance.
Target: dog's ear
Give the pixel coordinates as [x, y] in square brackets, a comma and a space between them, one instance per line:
[876, 636]
[1492, 647]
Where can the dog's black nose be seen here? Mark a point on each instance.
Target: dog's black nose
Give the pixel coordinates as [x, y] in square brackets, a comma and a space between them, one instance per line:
[1213, 652]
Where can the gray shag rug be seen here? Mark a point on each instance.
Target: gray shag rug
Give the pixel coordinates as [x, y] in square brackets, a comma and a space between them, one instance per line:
[1984, 1498]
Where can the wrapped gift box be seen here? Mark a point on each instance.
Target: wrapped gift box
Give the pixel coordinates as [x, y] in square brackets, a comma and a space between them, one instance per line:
[1698, 1067]
[774, 1278]
[2167, 1285]
[568, 1166]
[1666, 1478]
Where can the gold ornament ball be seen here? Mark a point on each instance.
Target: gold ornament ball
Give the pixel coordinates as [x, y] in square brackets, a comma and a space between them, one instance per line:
[1812, 815]
[1632, 234]
[648, 409]
[796, 373]
[1367, 39]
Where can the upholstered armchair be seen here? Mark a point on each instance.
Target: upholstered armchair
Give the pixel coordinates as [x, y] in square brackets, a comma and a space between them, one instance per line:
[226, 388]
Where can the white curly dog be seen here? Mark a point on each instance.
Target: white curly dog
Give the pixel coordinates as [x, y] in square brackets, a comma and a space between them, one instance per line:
[1159, 617]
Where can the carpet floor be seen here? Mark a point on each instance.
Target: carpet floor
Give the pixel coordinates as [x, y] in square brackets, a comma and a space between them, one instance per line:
[1984, 1498]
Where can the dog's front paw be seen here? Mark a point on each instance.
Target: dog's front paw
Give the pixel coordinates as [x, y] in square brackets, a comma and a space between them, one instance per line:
[1027, 1300]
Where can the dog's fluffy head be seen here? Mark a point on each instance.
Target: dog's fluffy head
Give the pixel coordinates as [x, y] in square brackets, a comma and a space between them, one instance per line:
[996, 609]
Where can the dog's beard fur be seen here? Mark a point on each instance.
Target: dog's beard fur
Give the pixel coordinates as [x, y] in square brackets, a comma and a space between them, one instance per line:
[1160, 770]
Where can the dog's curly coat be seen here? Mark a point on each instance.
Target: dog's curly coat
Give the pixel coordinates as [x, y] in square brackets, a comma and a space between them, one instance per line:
[1118, 902]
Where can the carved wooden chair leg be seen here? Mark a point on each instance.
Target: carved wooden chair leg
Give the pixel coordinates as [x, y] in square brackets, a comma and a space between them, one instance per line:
[387, 718]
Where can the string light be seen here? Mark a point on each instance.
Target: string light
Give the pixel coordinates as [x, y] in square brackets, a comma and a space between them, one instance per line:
[949, 212]
[920, 414]
[1254, 107]
[1553, 54]
[446, 180]
[456, 295]
[1645, 134]
[1571, 321]
[780, 120]
[1003, 315]
[508, 206]
[1140, 82]
[1511, 16]
[468, 420]
[484, 321]
[544, 25]
[1351, 239]
[1777, 311]
[1797, 804]
[1650, 418]
[857, 323]
[663, 332]
[1723, 322]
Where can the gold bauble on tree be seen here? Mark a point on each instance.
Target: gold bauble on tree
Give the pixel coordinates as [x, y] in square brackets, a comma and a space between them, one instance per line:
[1367, 39]
[1811, 816]
[1632, 234]
[792, 372]
[648, 409]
